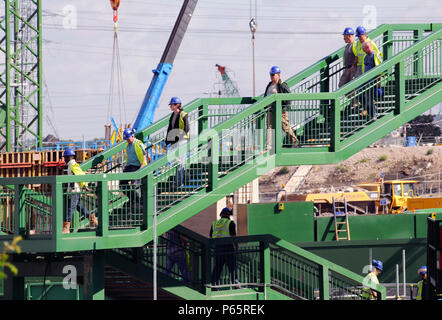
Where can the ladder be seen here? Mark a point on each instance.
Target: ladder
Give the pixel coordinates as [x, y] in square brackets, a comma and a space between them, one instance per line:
[337, 213]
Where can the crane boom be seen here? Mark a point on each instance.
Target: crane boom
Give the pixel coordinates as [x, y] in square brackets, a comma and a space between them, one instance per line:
[146, 114]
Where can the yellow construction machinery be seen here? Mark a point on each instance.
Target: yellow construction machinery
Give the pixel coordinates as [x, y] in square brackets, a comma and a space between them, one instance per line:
[382, 197]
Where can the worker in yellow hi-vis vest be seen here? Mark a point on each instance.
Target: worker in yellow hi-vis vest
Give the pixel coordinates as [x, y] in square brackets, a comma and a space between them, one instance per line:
[422, 284]
[372, 279]
[178, 135]
[135, 160]
[224, 253]
[361, 33]
[74, 192]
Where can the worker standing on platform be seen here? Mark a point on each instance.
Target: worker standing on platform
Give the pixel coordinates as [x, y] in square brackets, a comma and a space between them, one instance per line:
[349, 57]
[276, 85]
[135, 159]
[224, 253]
[74, 192]
[361, 33]
[177, 135]
[422, 284]
[372, 279]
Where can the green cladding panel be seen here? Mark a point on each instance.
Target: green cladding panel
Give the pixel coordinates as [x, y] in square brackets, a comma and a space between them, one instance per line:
[294, 223]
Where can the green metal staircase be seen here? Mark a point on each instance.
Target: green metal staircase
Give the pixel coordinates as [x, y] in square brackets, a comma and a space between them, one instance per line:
[230, 147]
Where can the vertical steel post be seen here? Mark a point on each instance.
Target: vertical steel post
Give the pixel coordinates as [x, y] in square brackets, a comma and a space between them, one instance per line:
[397, 281]
[154, 245]
[403, 273]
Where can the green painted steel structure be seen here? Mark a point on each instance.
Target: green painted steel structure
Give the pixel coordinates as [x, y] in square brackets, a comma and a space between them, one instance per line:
[21, 116]
[231, 146]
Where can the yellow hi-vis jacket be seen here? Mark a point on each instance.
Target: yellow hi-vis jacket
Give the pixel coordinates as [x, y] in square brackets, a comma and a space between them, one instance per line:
[360, 54]
[220, 228]
[419, 290]
[74, 169]
[139, 151]
[370, 278]
[181, 124]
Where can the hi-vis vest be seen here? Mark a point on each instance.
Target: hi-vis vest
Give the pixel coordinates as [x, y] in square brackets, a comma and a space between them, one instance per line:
[181, 124]
[367, 294]
[138, 151]
[419, 290]
[220, 228]
[360, 54]
[74, 169]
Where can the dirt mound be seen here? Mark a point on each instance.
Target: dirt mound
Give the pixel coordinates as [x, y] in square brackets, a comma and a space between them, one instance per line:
[365, 166]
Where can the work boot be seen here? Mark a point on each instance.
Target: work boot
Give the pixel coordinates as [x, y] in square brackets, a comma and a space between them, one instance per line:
[66, 227]
[93, 222]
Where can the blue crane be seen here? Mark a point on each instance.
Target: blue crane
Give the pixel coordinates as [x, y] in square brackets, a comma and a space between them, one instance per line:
[146, 114]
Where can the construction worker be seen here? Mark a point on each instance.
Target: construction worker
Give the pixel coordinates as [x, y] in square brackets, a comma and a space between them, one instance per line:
[74, 192]
[361, 33]
[224, 253]
[349, 56]
[135, 159]
[276, 85]
[422, 284]
[372, 279]
[178, 129]
[177, 135]
[176, 254]
[372, 90]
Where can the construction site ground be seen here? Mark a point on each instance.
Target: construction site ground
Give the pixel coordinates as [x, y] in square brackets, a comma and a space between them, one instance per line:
[396, 162]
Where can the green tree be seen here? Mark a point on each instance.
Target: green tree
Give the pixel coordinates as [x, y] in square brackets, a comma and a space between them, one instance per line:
[11, 248]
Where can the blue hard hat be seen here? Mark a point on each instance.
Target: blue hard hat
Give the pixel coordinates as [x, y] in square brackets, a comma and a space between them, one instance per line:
[275, 69]
[360, 30]
[422, 270]
[348, 31]
[175, 100]
[127, 133]
[377, 264]
[226, 212]
[68, 152]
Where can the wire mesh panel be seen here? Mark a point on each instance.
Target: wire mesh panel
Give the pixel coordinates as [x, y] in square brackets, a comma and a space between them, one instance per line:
[235, 265]
[368, 102]
[183, 176]
[78, 207]
[38, 212]
[7, 200]
[310, 121]
[343, 288]
[294, 274]
[179, 256]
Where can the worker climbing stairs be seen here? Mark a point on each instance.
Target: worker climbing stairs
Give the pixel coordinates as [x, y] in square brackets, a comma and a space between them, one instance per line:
[230, 147]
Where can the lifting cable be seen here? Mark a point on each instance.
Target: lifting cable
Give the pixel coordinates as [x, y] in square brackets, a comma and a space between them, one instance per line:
[116, 80]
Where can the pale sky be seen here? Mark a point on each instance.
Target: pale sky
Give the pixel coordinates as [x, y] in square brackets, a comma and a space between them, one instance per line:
[78, 39]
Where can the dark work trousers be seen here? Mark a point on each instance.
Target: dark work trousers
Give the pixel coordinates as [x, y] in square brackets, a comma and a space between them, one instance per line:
[367, 98]
[225, 254]
[128, 190]
[75, 203]
[178, 256]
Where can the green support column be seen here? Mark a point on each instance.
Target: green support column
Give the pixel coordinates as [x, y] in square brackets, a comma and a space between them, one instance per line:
[399, 72]
[58, 206]
[203, 121]
[336, 126]
[324, 283]
[103, 211]
[277, 125]
[264, 251]
[388, 44]
[418, 62]
[19, 219]
[94, 276]
[214, 161]
[149, 196]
